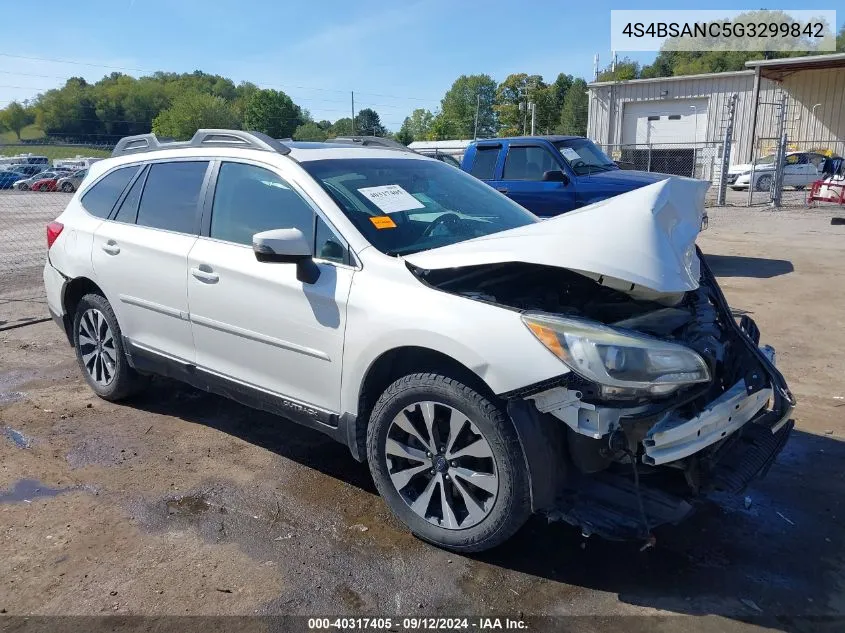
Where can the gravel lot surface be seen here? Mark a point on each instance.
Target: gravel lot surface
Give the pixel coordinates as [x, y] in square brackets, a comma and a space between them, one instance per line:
[181, 502]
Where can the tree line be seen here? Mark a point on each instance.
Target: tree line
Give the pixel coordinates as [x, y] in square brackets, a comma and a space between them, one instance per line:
[171, 105]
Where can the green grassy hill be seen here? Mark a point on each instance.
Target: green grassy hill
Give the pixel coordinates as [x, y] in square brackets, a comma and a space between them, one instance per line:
[29, 133]
[9, 146]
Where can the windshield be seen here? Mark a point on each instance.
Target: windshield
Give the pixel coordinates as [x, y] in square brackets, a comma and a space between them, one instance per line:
[584, 156]
[765, 160]
[405, 206]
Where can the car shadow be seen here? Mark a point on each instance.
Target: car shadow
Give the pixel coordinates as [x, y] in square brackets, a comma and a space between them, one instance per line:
[271, 432]
[741, 266]
[774, 557]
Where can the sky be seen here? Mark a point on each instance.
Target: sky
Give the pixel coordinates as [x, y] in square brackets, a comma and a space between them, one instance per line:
[395, 56]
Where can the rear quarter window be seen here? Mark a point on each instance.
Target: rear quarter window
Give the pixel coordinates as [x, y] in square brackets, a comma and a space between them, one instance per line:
[484, 165]
[100, 199]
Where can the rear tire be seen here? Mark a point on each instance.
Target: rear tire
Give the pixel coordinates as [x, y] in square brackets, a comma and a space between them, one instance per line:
[67, 187]
[463, 485]
[100, 352]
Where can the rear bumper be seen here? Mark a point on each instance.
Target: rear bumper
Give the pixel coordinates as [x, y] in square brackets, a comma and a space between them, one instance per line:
[54, 286]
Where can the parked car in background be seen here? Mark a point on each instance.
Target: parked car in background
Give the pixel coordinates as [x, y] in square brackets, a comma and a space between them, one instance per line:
[24, 159]
[29, 170]
[26, 184]
[517, 366]
[549, 175]
[378, 141]
[441, 156]
[8, 178]
[800, 170]
[454, 148]
[70, 182]
[44, 184]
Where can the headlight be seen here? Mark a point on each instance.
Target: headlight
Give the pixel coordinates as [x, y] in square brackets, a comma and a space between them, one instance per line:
[616, 358]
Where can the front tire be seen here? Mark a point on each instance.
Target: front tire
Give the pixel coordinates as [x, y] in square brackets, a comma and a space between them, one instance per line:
[764, 183]
[448, 462]
[100, 352]
[67, 187]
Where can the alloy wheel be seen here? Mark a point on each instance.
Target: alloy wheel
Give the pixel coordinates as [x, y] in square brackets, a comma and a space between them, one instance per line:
[441, 465]
[96, 347]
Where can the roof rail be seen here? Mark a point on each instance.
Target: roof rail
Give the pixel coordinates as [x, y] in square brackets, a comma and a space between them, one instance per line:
[203, 138]
[370, 141]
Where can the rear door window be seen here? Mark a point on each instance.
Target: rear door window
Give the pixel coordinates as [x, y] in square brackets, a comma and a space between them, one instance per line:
[484, 165]
[170, 199]
[99, 200]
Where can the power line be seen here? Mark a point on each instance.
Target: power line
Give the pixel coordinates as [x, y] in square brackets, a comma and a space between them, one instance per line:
[259, 85]
[142, 70]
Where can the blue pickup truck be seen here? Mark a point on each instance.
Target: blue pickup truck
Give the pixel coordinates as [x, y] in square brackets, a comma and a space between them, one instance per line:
[549, 175]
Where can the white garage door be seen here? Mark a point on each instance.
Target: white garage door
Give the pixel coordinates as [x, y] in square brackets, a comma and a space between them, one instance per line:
[673, 121]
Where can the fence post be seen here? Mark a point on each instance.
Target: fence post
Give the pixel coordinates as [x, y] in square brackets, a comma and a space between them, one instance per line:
[726, 152]
[780, 155]
[648, 168]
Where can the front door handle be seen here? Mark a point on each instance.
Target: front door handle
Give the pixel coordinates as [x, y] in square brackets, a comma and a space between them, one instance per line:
[111, 247]
[204, 273]
[502, 190]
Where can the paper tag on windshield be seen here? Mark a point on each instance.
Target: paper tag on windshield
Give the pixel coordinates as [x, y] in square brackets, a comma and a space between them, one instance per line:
[570, 154]
[391, 198]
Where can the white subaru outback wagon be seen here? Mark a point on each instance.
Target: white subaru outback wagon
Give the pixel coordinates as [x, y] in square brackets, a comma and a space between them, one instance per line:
[486, 364]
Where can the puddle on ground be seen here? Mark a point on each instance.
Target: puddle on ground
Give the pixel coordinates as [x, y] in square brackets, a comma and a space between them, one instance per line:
[20, 440]
[10, 380]
[27, 490]
[188, 506]
[8, 397]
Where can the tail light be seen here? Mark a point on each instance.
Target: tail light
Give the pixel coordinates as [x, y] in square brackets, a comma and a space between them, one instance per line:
[54, 229]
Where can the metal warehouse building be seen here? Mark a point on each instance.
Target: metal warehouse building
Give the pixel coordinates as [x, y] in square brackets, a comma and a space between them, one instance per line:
[674, 123]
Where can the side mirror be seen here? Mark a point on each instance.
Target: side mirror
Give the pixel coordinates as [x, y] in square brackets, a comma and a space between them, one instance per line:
[555, 176]
[281, 245]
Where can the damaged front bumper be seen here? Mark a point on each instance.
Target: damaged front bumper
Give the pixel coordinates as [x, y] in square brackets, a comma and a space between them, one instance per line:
[724, 446]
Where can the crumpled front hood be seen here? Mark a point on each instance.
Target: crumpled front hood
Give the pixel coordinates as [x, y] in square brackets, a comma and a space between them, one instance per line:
[644, 237]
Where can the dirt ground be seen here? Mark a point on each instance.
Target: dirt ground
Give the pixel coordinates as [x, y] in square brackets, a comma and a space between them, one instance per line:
[184, 503]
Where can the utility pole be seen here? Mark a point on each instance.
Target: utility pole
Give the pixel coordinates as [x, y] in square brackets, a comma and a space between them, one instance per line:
[477, 108]
[726, 150]
[533, 107]
[522, 108]
[353, 112]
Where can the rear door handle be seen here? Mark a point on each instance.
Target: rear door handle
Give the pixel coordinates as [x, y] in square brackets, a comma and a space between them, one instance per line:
[502, 190]
[111, 247]
[204, 273]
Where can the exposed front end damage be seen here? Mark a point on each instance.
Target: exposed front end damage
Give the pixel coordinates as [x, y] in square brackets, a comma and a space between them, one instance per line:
[618, 461]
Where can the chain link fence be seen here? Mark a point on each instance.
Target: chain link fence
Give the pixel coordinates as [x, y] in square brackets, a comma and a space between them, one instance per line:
[702, 160]
[783, 170]
[32, 195]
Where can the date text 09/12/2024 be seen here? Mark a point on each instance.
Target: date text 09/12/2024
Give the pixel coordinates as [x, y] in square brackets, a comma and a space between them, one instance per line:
[417, 623]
